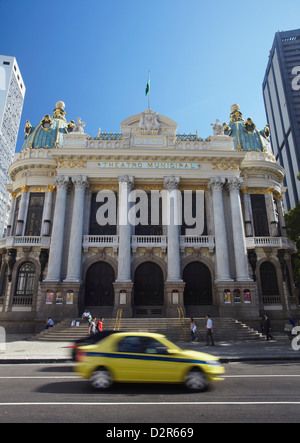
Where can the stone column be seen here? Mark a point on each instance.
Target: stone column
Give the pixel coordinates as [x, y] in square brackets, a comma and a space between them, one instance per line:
[124, 257]
[123, 284]
[75, 246]
[280, 210]
[11, 214]
[239, 241]
[22, 210]
[247, 213]
[47, 211]
[222, 258]
[173, 222]
[57, 237]
[272, 214]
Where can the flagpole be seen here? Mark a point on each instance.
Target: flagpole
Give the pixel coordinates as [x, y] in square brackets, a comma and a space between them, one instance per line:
[149, 92]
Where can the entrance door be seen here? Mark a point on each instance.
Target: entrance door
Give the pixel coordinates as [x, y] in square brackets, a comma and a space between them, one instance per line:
[99, 289]
[198, 284]
[148, 289]
[269, 284]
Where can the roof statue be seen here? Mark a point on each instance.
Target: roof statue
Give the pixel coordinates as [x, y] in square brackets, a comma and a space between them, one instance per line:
[217, 128]
[79, 126]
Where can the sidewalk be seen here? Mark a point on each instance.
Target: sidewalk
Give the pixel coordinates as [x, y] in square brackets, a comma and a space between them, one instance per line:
[19, 349]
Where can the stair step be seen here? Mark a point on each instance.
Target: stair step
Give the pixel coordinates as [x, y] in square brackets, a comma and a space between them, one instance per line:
[225, 329]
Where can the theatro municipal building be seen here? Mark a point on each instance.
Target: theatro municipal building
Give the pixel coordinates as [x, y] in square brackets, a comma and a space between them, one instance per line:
[70, 247]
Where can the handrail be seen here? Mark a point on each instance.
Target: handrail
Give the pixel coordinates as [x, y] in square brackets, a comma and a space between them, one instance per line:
[181, 319]
[118, 319]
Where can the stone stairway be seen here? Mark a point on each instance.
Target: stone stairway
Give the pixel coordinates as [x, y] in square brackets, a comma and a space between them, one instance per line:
[225, 329]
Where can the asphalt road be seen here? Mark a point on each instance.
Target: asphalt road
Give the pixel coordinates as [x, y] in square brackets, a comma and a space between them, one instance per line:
[251, 393]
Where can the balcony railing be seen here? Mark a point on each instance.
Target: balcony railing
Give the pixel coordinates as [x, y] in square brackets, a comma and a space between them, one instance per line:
[197, 241]
[148, 241]
[270, 242]
[272, 300]
[27, 240]
[100, 241]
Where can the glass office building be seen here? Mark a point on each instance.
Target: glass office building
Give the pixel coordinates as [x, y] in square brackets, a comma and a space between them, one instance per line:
[281, 90]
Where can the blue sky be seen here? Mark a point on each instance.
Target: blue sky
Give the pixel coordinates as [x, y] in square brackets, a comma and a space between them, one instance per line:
[95, 56]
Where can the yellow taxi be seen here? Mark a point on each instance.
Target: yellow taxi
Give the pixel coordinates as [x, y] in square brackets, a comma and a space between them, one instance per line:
[138, 357]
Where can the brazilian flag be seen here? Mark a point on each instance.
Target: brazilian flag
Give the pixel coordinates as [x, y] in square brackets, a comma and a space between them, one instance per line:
[147, 86]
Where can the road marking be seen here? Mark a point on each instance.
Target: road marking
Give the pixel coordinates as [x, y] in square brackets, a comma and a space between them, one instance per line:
[260, 375]
[66, 377]
[30, 377]
[209, 403]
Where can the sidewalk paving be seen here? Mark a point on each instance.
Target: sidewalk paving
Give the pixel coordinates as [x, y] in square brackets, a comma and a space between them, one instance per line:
[18, 349]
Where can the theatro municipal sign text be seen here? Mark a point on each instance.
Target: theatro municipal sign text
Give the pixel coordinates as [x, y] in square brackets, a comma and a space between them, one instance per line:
[149, 165]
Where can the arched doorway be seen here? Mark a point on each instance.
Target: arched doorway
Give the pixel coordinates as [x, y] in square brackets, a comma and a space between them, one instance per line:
[148, 290]
[198, 285]
[269, 284]
[99, 290]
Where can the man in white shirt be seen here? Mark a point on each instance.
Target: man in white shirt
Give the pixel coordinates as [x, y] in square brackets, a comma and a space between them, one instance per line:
[209, 333]
[92, 327]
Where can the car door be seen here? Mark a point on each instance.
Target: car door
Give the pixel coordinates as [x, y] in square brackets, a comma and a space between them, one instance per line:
[160, 366]
[129, 365]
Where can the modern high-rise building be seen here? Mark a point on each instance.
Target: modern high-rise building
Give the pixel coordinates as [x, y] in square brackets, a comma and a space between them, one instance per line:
[12, 92]
[281, 90]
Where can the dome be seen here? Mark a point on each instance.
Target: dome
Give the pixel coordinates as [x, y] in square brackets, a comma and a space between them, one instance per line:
[49, 132]
[246, 136]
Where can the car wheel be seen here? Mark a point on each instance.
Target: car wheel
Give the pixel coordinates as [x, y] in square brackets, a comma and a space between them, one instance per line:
[195, 380]
[101, 379]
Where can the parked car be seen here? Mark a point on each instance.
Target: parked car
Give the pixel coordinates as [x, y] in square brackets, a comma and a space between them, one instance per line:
[138, 357]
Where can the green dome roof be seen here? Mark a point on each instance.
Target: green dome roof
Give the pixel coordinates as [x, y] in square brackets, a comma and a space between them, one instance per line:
[246, 136]
[49, 132]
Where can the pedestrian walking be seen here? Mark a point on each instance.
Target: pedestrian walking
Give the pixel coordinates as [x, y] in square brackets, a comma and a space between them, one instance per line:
[267, 327]
[100, 324]
[209, 331]
[193, 329]
[92, 326]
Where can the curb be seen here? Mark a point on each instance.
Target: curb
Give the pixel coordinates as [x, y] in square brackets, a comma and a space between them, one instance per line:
[37, 360]
[41, 360]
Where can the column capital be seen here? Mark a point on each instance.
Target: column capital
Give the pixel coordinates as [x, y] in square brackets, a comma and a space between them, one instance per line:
[24, 188]
[80, 181]
[171, 183]
[216, 183]
[129, 180]
[62, 181]
[234, 183]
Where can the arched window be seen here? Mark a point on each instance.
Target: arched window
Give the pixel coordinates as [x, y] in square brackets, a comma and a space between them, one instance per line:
[25, 285]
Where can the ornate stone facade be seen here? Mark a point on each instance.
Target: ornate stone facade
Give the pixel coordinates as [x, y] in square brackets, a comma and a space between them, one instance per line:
[101, 240]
